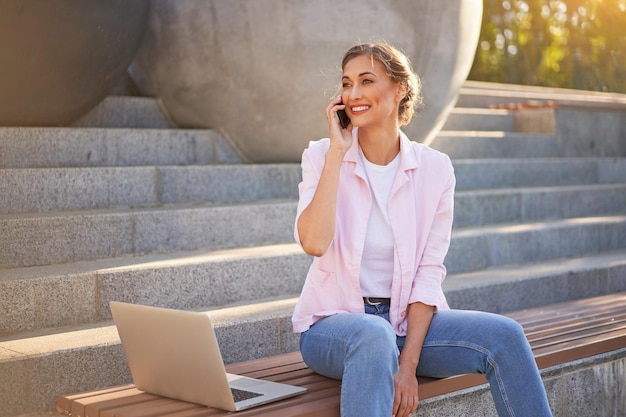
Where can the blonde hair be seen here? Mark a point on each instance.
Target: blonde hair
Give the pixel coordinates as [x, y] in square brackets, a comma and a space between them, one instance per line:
[398, 68]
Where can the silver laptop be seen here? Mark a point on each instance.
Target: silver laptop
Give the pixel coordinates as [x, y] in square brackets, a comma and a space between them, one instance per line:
[175, 354]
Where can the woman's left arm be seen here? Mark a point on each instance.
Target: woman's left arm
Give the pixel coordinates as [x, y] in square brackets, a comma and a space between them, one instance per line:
[426, 288]
[406, 397]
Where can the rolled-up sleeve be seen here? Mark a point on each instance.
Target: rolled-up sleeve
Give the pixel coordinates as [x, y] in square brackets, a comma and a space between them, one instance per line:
[311, 171]
[431, 271]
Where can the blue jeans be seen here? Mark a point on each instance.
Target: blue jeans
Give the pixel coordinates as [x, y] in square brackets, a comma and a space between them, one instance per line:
[362, 350]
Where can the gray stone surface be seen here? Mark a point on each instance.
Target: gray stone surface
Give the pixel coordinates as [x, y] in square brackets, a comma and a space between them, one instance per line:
[586, 132]
[224, 226]
[541, 120]
[202, 278]
[583, 201]
[30, 190]
[126, 112]
[228, 183]
[480, 94]
[496, 145]
[53, 296]
[46, 302]
[482, 207]
[512, 287]
[612, 170]
[204, 76]
[105, 187]
[513, 172]
[72, 147]
[465, 119]
[57, 238]
[48, 366]
[54, 189]
[75, 236]
[212, 279]
[475, 208]
[598, 391]
[472, 249]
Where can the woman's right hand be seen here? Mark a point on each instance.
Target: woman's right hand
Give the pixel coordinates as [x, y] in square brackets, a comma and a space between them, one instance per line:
[340, 139]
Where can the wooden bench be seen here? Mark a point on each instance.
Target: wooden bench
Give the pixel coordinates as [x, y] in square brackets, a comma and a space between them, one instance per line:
[558, 333]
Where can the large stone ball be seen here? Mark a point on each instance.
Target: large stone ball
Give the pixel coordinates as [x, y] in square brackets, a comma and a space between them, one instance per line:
[59, 58]
[262, 71]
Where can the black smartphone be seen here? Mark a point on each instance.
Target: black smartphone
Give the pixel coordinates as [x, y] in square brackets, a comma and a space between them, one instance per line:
[344, 120]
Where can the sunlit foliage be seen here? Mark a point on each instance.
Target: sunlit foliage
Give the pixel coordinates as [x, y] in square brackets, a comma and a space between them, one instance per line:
[557, 43]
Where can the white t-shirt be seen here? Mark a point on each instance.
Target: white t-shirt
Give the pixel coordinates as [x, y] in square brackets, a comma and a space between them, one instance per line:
[376, 271]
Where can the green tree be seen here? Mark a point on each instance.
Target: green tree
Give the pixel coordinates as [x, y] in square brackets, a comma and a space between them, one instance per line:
[557, 43]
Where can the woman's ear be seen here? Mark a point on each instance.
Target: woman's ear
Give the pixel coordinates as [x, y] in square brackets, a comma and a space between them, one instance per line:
[401, 92]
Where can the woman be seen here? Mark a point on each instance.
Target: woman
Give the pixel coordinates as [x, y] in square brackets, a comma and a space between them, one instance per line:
[375, 211]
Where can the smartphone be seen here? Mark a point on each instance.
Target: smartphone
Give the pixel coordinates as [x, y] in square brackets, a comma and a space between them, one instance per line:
[344, 120]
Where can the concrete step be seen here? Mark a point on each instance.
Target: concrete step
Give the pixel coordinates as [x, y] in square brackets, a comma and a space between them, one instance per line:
[45, 364]
[522, 205]
[78, 293]
[476, 95]
[72, 236]
[29, 147]
[45, 238]
[485, 145]
[505, 87]
[541, 172]
[127, 112]
[61, 295]
[479, 119]
[55, 189]
[478, 248]
[517, 286]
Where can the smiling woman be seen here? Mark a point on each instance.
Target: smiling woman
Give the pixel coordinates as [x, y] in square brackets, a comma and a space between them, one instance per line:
[375, 210]
[403, 74]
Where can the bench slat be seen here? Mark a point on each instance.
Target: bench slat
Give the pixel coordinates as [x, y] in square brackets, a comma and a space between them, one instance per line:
[573, 335]
[564, 327]
[64, 403]
[279, 361]
[156, 407]
[90, 406]
[557, 333]
[570, 351]
[528, 316]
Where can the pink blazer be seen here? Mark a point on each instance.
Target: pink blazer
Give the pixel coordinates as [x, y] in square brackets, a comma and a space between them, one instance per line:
[420, 212]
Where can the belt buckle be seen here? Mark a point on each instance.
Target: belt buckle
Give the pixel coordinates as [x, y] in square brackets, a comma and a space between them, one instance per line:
[368, 302]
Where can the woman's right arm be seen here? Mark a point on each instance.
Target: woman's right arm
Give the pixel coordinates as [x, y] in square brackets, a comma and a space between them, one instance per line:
[316, 224]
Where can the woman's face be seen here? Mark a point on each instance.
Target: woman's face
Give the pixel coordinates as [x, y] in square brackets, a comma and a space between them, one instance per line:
[370, 96]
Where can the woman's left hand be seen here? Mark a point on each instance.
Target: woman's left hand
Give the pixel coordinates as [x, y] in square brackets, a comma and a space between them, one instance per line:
[406, 396]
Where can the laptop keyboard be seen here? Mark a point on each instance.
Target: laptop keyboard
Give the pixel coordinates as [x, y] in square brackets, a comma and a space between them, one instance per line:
[241, 395]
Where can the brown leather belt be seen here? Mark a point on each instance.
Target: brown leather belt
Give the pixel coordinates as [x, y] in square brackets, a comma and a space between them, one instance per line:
[373, 301]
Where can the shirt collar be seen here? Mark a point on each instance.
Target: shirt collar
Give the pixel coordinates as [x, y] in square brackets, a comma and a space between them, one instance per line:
[408, 159]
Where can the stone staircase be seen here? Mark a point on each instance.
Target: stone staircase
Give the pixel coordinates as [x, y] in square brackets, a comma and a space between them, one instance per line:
[123, 206]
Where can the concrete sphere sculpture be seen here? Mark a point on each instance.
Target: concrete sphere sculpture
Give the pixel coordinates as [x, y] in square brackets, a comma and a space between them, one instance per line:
[262, 71]
[60, 58]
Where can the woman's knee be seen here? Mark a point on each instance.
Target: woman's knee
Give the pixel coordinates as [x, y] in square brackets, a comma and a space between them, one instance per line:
[375, 334]
[511, 330]
[348, 339]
